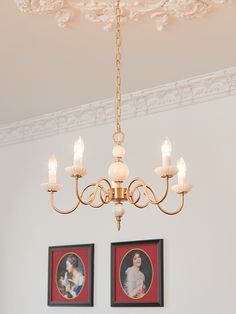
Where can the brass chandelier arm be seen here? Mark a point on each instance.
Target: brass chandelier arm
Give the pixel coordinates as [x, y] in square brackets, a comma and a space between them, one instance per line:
[52, 198]
[175, 211]
[64, 212]
[92, 196]
[136, 189]
[147, 191]
[104, 195]
[151, 196]
[131, 198]
[156, 201]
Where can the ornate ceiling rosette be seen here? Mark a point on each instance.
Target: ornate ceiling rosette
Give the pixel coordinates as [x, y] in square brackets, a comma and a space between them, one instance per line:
[160, 11]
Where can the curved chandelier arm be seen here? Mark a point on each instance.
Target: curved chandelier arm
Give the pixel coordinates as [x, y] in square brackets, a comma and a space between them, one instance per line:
[52, 197]
[147, 191]
[151, 196]
[156, 202]
[104, 195]
[137, 189]
[175, 211]
[131, 194]
[64, 212]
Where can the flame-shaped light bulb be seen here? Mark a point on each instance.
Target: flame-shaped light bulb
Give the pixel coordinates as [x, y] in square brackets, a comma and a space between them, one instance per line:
[52, 169]
[166, 149]
[181, 165]
[78, 152]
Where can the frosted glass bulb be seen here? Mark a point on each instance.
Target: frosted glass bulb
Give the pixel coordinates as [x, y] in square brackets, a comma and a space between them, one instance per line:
[166, 147]
[181, 165]
[119, 210]
[52, 163]
[79, 147]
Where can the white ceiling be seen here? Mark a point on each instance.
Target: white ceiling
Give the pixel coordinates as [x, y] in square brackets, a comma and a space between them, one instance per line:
[44, 68]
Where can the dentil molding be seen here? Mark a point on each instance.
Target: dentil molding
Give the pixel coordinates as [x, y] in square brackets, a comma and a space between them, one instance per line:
[160, 11]
[174, 95]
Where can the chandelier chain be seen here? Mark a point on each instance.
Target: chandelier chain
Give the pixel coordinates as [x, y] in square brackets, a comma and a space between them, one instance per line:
[118, 65]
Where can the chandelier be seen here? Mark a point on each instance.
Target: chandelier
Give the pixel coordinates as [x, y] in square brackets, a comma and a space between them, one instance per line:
[106, 191]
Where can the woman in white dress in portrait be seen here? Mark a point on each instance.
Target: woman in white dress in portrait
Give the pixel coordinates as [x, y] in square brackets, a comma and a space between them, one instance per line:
[134, 278]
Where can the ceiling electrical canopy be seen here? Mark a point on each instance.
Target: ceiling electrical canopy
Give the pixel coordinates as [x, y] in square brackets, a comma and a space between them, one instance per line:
[160, 11]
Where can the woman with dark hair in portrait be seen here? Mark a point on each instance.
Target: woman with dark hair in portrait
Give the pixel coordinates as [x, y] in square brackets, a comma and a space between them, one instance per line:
[73, 280]
[135, 280]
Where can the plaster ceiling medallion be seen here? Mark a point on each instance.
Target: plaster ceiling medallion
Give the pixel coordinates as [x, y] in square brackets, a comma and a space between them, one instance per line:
[160, 11]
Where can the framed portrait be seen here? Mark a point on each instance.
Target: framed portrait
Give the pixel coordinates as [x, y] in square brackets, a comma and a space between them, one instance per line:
[137, 273]
[70, 275]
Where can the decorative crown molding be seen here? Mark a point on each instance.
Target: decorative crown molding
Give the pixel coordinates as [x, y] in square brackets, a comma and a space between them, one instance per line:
[160, 11]
[144, 102]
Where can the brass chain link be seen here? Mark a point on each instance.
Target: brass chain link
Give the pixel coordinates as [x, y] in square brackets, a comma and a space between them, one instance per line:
[118, 62]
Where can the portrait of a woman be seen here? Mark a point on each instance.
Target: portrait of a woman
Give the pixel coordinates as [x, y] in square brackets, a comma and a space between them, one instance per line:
[70, 276]
[136, 274]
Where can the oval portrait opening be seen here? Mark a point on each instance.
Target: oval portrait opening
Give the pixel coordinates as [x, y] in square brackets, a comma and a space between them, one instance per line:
[70, 276]
[136, 273]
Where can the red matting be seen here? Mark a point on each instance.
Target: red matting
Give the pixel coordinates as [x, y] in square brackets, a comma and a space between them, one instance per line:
[151, 249]
[55, 257]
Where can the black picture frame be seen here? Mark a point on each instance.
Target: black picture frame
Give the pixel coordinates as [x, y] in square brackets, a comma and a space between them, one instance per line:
[89, 248]
[159, 302]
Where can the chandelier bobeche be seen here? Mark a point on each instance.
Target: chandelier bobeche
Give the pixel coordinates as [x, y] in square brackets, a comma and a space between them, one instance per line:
[106, 191]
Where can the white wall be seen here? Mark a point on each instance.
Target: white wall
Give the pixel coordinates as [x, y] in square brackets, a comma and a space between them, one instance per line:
[200, 255]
